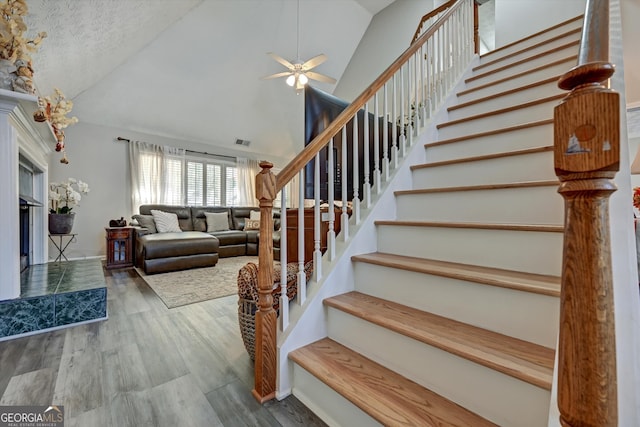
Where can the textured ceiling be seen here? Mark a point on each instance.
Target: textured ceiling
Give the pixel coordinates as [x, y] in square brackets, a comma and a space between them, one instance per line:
[191, 69]
[87, 39]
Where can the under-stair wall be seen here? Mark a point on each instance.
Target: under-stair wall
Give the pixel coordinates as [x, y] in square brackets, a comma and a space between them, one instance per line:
[454, 317]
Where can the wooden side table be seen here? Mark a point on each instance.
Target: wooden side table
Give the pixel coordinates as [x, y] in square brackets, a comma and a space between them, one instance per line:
[309, 242]
[119, 247]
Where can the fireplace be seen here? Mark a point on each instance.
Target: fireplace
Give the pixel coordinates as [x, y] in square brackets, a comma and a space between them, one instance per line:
[27, 202]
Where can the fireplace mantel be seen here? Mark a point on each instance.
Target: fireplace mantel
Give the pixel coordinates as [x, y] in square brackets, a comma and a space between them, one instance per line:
[21, 135]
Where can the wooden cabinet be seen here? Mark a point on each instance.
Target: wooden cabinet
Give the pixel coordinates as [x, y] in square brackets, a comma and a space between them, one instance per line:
[119, 247]
[309, 242]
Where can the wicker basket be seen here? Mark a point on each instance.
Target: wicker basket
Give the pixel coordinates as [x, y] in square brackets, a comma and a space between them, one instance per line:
[248, 297]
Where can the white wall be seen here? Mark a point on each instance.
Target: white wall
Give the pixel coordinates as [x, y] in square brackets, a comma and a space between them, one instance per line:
[96, 157]
[387, 36]
[516, 19]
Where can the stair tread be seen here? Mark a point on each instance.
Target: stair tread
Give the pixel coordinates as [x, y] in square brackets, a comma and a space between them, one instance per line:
[527, 184]
[571, 58]
[504, 93]
[534, 46]
[539, 33]
[476, 225]
[528, 282]
[386, 396]
[520, 359]
[490, 133]
[502, 110]
[523, 61]
[482, 157]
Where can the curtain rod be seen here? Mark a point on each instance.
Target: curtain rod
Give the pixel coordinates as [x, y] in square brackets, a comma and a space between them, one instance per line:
[189, 151]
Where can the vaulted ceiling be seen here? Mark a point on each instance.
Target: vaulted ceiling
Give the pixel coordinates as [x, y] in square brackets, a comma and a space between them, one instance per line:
[191, 69]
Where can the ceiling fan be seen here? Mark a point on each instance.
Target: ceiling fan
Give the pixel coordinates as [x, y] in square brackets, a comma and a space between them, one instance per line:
[300, 72]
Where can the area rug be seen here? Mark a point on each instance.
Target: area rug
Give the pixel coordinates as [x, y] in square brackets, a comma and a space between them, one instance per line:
[180, 288]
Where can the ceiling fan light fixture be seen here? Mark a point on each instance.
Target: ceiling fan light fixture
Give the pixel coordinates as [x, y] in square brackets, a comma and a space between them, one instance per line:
[291, 80]
[303, 79]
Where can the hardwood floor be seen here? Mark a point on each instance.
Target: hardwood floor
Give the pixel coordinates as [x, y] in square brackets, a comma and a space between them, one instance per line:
[145, 366]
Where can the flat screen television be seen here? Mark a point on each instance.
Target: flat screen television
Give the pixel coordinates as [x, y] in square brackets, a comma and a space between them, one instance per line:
[322, 108]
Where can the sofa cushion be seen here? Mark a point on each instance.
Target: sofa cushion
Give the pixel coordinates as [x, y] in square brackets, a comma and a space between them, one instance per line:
[165, 245]
[251, 224]
[217, 221]
[147, 222]
[200, 220]
[255, 215]
[183, 212]
[166, 222]
[231, 237]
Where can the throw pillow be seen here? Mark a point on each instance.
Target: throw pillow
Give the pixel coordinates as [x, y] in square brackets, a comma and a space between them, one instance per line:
[251, 224]
[217, 221]
[147, 222]
[255, 215]
[166, 222]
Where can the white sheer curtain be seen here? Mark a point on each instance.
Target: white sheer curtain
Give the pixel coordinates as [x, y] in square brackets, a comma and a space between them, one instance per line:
[156, 174]
[247, 171]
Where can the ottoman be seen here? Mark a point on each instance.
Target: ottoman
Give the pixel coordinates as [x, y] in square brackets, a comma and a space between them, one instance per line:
[162, 252]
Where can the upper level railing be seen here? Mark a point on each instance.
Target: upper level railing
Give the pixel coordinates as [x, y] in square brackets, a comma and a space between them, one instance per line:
[587, 156]
[344, 168]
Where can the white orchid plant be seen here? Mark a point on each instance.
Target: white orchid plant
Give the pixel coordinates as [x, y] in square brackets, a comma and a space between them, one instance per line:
[64, 196]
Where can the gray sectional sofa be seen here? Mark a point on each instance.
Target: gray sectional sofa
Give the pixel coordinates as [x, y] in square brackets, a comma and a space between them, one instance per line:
[194, 246]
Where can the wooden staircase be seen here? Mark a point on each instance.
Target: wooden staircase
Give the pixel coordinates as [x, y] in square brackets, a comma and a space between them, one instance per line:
[454, 320]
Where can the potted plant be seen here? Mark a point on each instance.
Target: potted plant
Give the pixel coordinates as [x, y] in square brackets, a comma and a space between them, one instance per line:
[64, 196]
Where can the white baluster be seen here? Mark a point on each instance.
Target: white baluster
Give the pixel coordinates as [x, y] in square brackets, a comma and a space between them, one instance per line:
[403, 119]
[317, 253]
[302, 279]
[385, 136]
[355, 202]
[331, 233]
[284, 299]
[344, 220]
[376, 145]
[409, 131]
[366, 146]
[394, 123]
[423, 117]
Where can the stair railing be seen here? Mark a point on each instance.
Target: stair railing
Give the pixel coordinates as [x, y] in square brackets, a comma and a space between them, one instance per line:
[386, 115]
[587, 155]
[433, 16]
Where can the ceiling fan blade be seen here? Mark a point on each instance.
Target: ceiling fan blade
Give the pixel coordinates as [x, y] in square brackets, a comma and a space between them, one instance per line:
[276, 75]
[320, 77]
[281, 60]
[314, 62]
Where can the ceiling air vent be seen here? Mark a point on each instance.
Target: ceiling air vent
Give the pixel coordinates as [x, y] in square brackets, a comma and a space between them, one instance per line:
[243, 142]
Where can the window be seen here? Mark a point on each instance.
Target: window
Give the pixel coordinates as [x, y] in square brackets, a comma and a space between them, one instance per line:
[211, 182]
[173, 178]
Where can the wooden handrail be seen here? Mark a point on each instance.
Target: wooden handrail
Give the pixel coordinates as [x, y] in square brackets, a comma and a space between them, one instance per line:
[267, 187]
[320, 141]
[430, 15]
[586, 157]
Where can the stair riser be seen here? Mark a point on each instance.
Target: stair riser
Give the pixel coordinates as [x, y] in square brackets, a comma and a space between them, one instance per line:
[527, 251]
[499, 143]
[535, 40]
[502, 170]
[488, 76]
[537, 92]
[498, 397]
[547, 46]
[516, 82]
[495, 206]
[523, 315]
[511, 118]
[327, 404]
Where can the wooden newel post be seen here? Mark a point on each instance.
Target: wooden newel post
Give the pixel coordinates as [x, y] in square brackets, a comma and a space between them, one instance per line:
[266, 319]
[587, 155]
